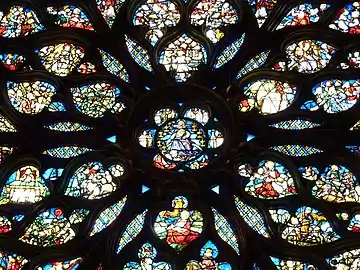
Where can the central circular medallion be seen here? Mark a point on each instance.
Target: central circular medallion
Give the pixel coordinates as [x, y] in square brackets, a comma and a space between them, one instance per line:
[181, 140]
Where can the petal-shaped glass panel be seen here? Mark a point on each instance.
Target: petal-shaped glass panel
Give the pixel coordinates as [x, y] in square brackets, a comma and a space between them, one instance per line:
[200, 115]
[109, 9]
[20, 21]
[8, 260]
[271, 180]
[108, 216]
[337, 184]
[30, 97]
[347, 20]
[262, 9]
[51, 228]
[213, 15]
[269, 96]
[163, 115]
[140, 55]
[216, 138]
[254, 63]
[296, 124]
[91, 181]
[297, 150]
[61, 59]
[346, 260]
[183, 56]
[303, 14]
[67, 127]
[336, 95]
[57, 106]
[114, 66]
[229, 52]
[289, 264]
[70, 16]
[252, 217]
[94, 99]
[309, 56]
[309, 227]
[225, 231]
[24, 186]
[62, 265]
[132, 230]
[67, 151]
[157, 16]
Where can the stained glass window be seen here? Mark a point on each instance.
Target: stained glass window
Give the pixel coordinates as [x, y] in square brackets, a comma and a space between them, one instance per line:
[179, 134]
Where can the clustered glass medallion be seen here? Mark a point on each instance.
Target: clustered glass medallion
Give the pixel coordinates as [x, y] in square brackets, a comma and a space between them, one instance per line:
[179, 134]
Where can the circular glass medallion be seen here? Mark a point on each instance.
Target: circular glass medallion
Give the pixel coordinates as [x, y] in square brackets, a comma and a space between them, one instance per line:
[181, 140]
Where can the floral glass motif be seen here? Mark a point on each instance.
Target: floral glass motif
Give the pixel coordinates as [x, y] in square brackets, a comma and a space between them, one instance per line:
[268, 96]
[109, 9]
[147, 254]
[252, 217]
[20, 21]
[108, 216]
[71, 16]
[288, 264]
[271, 180]
[213, 15]
[24, 186]
[61, 59]
[303, 14]
[182, 57]
[181, 141]
[68, 265]
[30, 97]
[91, 181]
[11, 261]
[179, 227]
[337, 184]
[208, 254]
[346, 260]
[308, 227]
[262, 9]
[52, 228]
[347, 20]
[309, 56]
[132, 230]
[336, 95]
[157, 16]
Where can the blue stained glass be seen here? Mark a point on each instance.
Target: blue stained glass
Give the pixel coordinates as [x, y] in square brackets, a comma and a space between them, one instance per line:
[347, 20]
[297, 124]
[57, 107]
[354, 148]
[252, 217]
[114, 66]
[254, 63]
[132, 230]
[310, 106]
[67, 127]
[52, 174]
[139, 54]
[229, 52]
[224, 230]
[289, 264]
[297, 150]
[216, 189]
[8, 260]
[144, 189]
[68, 265]
[66, 151]
[18, 217]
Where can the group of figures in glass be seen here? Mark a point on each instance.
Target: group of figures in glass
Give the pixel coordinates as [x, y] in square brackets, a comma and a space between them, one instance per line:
[63, 80]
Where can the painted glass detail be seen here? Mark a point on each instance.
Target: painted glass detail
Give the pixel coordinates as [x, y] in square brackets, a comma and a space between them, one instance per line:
[70, 16]
[347, 20]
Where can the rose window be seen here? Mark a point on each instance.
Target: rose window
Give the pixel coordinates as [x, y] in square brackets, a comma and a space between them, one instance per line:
[179, 134]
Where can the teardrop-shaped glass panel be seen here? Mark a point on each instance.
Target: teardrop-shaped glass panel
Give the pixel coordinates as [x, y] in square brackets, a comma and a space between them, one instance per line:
[268, 96]
[109, 9]
[140, 55]
[254, 63]
[336, 95]
[182, 57]
[347, 20]
[61, 59]
[20, 21]
[70, 16]
[114, 66]
[262, 9]
[309, 56]
[297, 150]
[229, 52]
[30, 97]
